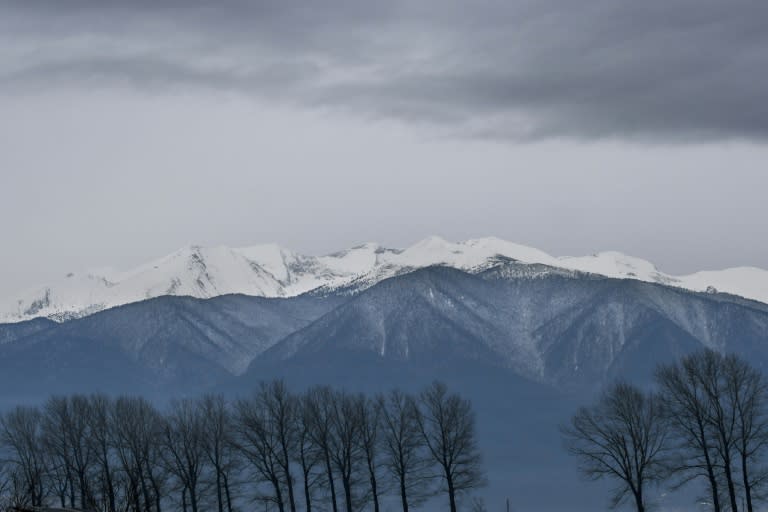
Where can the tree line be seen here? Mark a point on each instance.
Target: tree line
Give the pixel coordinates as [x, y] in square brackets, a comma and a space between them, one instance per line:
[706, 420]
[323, 449]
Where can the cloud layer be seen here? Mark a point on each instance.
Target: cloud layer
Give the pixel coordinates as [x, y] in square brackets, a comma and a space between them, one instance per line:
[658, 70]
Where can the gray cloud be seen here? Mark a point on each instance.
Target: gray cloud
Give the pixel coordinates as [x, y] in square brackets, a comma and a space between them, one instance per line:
[656, 70]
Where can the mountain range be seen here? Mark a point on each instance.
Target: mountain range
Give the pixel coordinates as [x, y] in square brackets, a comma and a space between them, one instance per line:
[525, 336]
[562, 328]
[272, 271]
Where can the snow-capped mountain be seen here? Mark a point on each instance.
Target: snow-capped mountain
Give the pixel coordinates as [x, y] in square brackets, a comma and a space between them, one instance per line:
[272, 271]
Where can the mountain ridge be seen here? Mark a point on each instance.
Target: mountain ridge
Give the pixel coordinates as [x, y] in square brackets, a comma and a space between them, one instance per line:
[560, 329]
[555, 327]
[272, 271]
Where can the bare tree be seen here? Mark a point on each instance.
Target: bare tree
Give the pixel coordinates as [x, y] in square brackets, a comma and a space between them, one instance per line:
[708, 367]
[258, 440]
[21, 439]
[124, 434]
[137, 431]
[405, 452]
[17, 493]
[282, 413]
[58, 476]
[308, 455]
[101, 436]
[622, 437]
[67, 436]
[447, 423]
[83, 459]
[747, 396]
[345, 443]
[183, 449]
[218, 447]
[123, 455]
[55, 418]
[695, 395]
[687, 409]
[318, 410]
[370, 416]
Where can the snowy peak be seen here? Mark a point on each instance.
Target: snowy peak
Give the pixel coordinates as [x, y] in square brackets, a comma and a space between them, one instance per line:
[468, 255]
[614, 264]
[272, 271]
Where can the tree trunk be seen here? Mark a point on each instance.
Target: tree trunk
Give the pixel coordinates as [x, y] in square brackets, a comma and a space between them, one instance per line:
[639, 501]
[374, 489]
[710, 472]
[219, 497]
[227, 493]
[713, 488]
[110, 490]
[289, 483]
[347, 492]
[451, 492]
[83, 491]
[307, 495]
[145, 492]
[158, 497]
[278, 495]
[745, 477]
[289, 479]
[193, 498]
[403, 492]
[329, 472]
[729, 481]
[71, 483]
[135, 493]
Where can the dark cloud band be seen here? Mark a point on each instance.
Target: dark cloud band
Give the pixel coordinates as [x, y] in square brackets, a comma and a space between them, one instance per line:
[656, 70]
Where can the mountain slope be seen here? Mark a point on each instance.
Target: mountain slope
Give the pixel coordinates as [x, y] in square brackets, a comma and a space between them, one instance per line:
[159, 345]
[565, 329]
[271, 271]
[13, 332]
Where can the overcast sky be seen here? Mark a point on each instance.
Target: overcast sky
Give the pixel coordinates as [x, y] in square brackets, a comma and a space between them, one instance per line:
[131, 128]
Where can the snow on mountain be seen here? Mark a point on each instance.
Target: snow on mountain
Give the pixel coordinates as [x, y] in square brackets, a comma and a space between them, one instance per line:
[749, 282]
[617, 265]
[466, 255]
[272, 271]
